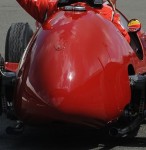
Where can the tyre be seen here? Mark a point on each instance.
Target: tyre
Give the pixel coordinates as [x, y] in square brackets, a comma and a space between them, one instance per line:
[18, 36]
[1, 68]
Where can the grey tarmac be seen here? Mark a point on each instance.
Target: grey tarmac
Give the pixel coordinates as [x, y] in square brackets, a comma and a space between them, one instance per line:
[59, 137]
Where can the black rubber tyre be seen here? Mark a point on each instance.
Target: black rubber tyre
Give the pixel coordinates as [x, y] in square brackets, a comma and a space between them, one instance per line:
[1, 68]
[17, 38]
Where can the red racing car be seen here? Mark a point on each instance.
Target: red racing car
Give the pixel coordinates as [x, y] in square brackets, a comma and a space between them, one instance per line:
[77, 68]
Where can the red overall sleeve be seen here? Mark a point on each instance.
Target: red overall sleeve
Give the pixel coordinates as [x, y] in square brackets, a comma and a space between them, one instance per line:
[38, 8]
[107, 13]
[116, 21]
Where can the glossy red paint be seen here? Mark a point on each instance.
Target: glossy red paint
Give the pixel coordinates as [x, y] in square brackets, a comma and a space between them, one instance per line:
[9, 66]
[76, 69]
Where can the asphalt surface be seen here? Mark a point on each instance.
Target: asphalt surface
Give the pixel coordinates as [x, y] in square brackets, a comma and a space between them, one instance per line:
[59, 137]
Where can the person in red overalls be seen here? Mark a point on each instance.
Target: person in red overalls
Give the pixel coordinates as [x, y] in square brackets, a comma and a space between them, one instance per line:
[38, 9]
[108, 13]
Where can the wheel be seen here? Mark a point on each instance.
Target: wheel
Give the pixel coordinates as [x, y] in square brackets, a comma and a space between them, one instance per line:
[1, 68]
[17, 38]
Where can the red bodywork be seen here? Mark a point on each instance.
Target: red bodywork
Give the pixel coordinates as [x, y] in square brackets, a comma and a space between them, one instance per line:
[11, 66]
[76, 69]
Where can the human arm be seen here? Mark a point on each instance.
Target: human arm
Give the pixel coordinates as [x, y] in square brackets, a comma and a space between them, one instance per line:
[38, 8]
[113, 1]
[117, 23]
